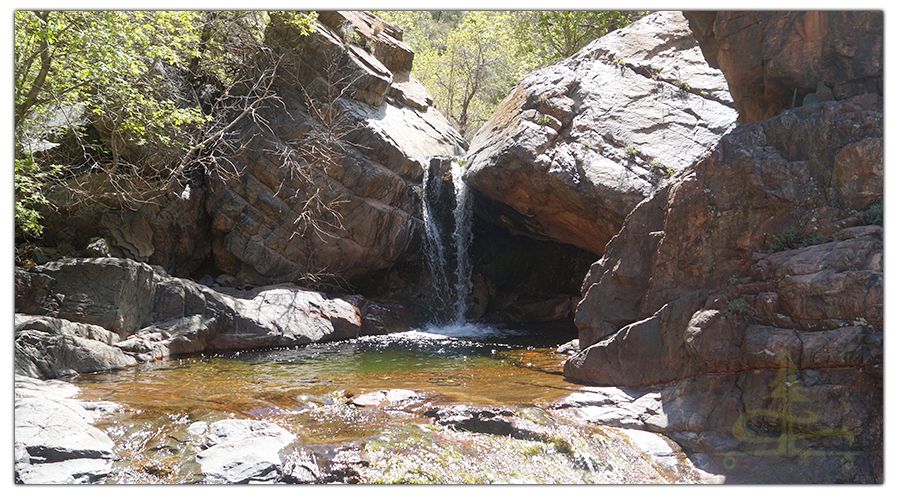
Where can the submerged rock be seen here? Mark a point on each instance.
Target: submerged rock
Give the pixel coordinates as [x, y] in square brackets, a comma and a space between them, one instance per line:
[393, 397]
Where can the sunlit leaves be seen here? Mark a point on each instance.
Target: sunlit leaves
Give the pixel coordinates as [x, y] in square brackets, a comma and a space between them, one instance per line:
[29, 182]
[556, 35]
[470, 60]
[113, 64]
[303, 22]
[469, 66]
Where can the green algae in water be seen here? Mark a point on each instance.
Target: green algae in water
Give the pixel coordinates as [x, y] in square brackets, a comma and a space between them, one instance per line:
[421, 454]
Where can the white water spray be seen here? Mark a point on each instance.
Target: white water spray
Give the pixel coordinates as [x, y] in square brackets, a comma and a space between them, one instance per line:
[462, 238]
[452, 290]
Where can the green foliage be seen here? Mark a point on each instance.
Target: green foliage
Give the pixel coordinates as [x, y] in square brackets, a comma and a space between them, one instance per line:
[303, 22]
[787, 239]
[738, 306]
[814, 97]
[29, 183]
[873, 214]
[117, 65]
[661, 167]
[104, 59]
[790, 238]
[815, 238]
[470, 60]
[552, 36]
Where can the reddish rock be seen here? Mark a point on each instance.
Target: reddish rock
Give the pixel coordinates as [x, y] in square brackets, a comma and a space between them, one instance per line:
[774, 60]
[755, 261]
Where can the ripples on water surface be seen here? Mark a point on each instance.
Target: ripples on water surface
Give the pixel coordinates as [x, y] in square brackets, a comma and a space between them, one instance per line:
[464, 364]
[308, 391]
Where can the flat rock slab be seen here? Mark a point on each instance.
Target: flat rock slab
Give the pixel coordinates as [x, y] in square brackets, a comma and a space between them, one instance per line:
[55, 442]
[241, 451]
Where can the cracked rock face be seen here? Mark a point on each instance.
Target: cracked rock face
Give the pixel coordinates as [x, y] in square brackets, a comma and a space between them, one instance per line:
[756, 276]
[777, 60]
[576, 146]
[354, 131]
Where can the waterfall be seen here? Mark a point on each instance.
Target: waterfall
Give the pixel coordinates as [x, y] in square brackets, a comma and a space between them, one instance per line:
[448, 233]
[434, 246]
[462, 237]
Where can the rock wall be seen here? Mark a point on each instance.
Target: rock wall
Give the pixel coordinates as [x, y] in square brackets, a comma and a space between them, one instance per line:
[742, 303]
[576, 146]
[322, 182]
[778, 60]
[353, 131]
[763, 260]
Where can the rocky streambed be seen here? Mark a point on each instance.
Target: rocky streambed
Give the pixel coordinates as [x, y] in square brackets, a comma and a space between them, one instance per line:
[466, 405]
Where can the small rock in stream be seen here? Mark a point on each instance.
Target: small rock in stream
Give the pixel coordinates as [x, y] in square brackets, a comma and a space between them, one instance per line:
[385, 398]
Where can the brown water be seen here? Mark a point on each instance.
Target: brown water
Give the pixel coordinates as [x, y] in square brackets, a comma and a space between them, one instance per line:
[305, 390]
[477, 366]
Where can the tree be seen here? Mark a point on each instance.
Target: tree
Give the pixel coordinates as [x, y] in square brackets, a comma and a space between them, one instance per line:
[556, 35]
[136, 76]
[470, 60]
[467, 61]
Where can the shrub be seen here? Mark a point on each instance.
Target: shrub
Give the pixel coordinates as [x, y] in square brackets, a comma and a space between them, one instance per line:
[739, 306]
[787, 239]
[873, 214]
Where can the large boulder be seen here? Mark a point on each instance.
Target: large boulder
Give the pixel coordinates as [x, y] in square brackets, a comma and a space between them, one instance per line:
[320, 180]
[116, 294]
[49, 348]
[87, 315]
[778, 60]
[576, 146]
[756, 275]
[329, 183]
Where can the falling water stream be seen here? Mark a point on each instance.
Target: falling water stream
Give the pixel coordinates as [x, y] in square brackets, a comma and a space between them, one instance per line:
[451, 284]
[309, 390]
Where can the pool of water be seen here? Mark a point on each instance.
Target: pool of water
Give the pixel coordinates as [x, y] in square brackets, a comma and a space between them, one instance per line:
[471, 364]
[309, 391]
